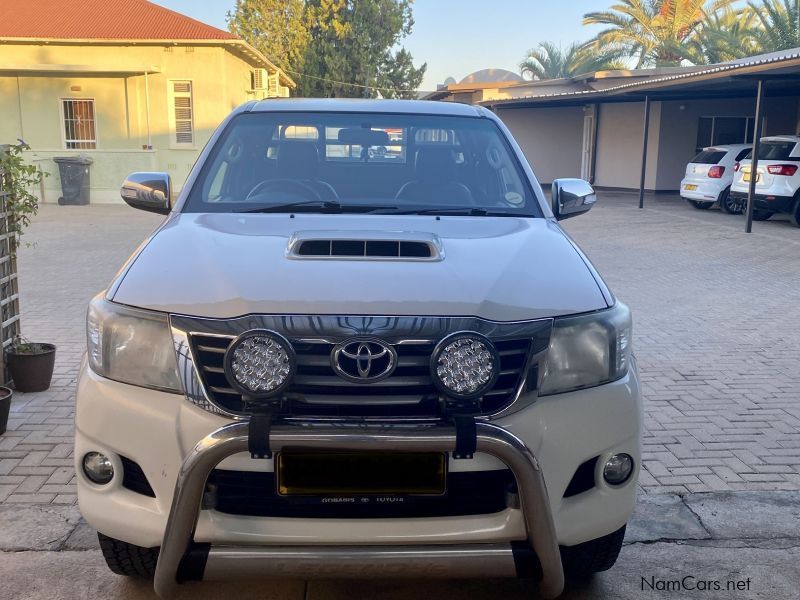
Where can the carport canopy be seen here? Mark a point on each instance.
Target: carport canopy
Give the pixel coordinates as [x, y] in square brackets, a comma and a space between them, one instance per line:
[768, 75]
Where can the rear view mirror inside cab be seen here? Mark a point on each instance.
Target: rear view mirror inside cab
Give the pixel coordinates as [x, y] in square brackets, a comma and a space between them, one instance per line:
[363, 137]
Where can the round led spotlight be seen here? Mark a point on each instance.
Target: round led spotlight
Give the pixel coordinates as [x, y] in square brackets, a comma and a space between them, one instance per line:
[259, 363]
[465, 365]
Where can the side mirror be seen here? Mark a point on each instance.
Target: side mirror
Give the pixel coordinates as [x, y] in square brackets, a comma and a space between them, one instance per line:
[572, 197]
[148, 191]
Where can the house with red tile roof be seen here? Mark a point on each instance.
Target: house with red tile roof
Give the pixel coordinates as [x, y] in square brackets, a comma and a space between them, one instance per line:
[127, 83]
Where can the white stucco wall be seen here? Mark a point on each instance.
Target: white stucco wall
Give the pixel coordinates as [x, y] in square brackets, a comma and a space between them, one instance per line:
[551, 139]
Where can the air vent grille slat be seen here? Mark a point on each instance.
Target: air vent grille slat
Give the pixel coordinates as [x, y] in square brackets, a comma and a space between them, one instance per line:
[367, 249]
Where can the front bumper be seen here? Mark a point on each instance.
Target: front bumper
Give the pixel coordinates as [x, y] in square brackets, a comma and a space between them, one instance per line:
[180, 559]
[160, 432]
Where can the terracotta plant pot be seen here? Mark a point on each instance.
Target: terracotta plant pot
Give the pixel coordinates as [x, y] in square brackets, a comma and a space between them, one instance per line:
[5, 406]
[31, 366]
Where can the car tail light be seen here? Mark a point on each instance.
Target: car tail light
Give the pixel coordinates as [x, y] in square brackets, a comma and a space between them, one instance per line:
[716, 172]
[787, 170]
[737, 166]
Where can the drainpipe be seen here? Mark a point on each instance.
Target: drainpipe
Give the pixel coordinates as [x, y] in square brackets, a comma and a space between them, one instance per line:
[748, 228]
[644, 149]
[147, 108]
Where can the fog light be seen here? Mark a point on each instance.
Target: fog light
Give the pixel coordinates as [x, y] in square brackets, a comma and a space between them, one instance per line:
[618, 468]
[98, 468]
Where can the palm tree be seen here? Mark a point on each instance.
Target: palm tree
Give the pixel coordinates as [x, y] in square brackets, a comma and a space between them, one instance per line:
[723, 36]
[779, 24]
[652, 30]
[548, 61]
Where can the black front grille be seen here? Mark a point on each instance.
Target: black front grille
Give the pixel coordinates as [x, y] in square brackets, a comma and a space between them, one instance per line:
[318, 390]
[253, 494]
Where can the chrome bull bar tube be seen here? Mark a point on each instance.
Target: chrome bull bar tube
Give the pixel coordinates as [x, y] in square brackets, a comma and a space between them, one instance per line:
[452, 560]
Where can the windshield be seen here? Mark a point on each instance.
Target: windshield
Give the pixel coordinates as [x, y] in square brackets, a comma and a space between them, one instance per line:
[362, 162]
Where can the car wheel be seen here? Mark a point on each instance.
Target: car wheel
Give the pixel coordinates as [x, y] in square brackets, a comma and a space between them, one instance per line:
[701, 205]
[761, 215]
[584, 560]
[795, 216]
[129, 560]
[729, 205]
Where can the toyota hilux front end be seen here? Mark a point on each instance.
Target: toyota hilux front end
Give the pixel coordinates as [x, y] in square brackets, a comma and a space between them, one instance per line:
[359, 345]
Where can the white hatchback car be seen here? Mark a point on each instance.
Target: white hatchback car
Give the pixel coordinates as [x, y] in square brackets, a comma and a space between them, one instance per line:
[777, 180]
[330, 363]
[709, 176]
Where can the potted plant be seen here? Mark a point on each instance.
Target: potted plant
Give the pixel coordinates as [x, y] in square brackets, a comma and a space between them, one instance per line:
[5, 406]
[30, 365]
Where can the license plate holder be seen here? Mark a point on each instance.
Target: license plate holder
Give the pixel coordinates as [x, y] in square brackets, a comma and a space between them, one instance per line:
[300, 473]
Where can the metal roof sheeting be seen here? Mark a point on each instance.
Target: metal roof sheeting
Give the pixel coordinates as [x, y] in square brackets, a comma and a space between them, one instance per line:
[754, 61]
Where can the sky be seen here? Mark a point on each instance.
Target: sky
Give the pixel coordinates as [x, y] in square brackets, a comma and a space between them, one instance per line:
[458, 37]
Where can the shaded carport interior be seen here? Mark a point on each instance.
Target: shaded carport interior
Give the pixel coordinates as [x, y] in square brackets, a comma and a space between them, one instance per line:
[755, 81]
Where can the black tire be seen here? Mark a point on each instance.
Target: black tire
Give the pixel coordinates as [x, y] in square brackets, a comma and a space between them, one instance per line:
[701, 205]
[727, 204]
[128, 560]
[584, 560]
[761, 215]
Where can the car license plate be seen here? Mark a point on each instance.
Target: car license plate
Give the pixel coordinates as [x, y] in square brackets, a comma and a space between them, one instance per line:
[690, 187]
[361, 473]
[746, 177]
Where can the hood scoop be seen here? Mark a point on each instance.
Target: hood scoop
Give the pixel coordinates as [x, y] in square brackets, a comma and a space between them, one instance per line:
[365, 245]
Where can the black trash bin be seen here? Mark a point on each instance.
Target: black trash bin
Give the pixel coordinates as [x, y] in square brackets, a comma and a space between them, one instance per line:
[74, 172]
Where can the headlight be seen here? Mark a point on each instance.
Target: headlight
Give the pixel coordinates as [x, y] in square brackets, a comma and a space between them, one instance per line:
[259, 363]
[465, 365]
[131, 345]
[588, 350]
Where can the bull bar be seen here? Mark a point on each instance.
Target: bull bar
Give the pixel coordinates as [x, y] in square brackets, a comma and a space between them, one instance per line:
[178, 559]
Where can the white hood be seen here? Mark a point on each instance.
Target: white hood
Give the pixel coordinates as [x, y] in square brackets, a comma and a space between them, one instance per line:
[227, 265]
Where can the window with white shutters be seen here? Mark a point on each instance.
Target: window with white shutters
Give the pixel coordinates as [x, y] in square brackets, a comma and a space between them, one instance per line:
[80, 131]
[181, 113]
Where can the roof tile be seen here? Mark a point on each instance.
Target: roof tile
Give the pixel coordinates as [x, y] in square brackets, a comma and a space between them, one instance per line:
[100, 20]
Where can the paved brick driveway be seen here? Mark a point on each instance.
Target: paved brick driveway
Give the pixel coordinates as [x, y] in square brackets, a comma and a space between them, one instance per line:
[717, 327]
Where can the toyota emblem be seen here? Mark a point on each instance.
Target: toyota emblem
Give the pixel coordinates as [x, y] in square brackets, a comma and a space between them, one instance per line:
[363, 360]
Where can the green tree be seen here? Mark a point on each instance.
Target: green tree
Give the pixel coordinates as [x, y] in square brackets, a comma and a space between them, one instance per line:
[275, 27]
[723, 36]
[779, 24]
[548, 61]
[353, 49]
[653, 30]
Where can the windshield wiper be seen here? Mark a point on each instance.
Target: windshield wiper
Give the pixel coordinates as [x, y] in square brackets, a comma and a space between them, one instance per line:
[468, 211]
[328, 205]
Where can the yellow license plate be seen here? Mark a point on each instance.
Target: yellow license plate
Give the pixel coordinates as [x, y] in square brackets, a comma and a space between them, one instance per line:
[361, 473]
[747, 177]
[690, 187]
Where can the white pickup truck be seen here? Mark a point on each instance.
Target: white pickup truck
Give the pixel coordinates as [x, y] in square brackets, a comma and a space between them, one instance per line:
[358, 345]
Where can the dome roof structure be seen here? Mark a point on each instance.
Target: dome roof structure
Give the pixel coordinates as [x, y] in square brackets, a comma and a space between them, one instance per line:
[491, 76]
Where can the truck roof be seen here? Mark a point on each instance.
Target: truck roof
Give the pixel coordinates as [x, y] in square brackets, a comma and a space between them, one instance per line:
[352, 105]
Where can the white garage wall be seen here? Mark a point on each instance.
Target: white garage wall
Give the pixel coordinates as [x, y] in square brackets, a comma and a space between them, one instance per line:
[619, 145]
[551, 139]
